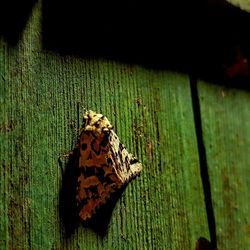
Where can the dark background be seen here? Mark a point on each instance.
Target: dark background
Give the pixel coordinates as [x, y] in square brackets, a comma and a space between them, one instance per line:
[196, 37]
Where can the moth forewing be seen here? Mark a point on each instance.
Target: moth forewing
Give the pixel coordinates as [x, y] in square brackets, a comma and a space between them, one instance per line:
[105, 164]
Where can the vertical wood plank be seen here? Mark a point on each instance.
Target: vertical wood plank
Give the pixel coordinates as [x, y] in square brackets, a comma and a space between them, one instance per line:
[152, 114]
[226, 131]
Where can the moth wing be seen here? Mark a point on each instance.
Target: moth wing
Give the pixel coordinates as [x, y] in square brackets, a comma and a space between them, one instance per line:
[105, 166]
[125, 164]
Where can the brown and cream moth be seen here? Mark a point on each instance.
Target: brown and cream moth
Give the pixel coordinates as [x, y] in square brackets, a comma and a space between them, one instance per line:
[105, 164]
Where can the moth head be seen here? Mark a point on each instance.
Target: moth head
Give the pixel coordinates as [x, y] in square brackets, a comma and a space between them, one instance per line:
[96, 123]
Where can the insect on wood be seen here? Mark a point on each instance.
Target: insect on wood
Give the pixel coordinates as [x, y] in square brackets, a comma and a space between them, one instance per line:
[105, 164]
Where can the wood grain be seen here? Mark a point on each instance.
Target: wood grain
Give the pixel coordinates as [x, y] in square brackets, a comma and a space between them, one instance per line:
[42, 97]
[226, 133]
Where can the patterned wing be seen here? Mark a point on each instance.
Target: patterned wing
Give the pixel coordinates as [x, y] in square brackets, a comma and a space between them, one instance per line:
[104, 165]
[126, 165]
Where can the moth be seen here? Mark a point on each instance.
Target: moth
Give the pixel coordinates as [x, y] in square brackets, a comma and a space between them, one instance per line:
[105, 165]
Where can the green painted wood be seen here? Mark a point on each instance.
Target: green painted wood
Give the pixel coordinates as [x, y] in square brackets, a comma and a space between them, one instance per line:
[243, 4]
[226, 130]
[40, 93]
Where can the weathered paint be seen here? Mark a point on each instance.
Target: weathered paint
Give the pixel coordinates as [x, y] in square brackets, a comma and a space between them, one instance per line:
[226, 132]
[43, 95]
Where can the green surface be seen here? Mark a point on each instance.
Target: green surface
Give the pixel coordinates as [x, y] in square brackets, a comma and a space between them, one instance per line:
[40, 93]
[226, 130]
[243, 4]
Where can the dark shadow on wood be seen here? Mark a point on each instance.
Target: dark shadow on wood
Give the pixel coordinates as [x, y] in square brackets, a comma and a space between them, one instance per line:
[67, 201]
[100, 221]
[186, 36]
[132, 31]
[203, 163]
[13, 18]
[68, 207]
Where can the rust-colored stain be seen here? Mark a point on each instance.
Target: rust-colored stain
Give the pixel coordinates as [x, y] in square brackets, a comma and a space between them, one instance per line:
[138, 130]
[6, 168]
[246, 228]
[17, 214]
[229, 206]
[149, 149]
[7, 127]
[139, 102]
[226, 186]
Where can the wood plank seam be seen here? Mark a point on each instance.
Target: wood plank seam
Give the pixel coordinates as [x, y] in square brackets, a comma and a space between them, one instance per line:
[203, 162]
